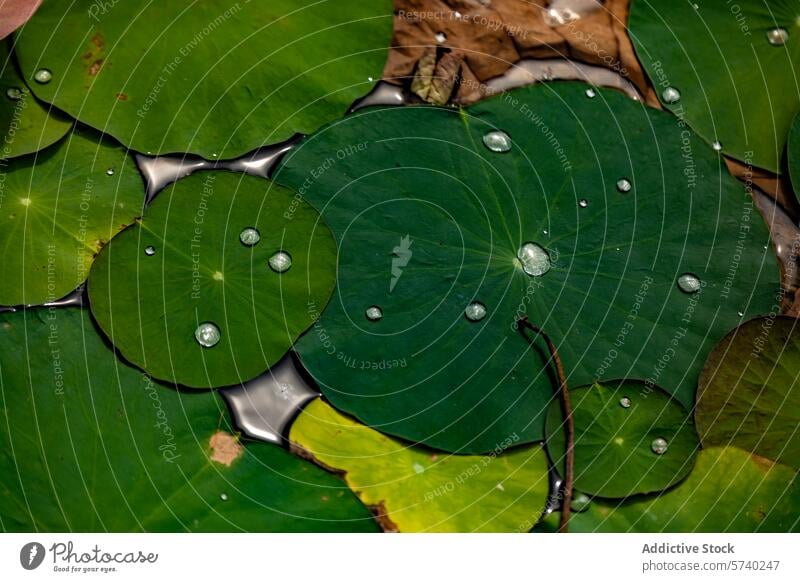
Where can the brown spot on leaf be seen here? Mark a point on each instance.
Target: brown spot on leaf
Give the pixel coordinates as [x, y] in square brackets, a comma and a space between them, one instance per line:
[762, 463]
[95, 67]
[383, 519]
[97, 40]
[225, 448]
[122, 96]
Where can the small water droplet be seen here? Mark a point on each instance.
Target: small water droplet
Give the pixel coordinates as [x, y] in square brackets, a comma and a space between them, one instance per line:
[149, 250]
[110, 172]
[441, 37]
[207, 334]
[374, 313]
[625, 402]
[418, 469]
[457, 14]
[249, 236]
[591, 93]
[535, 259]
[14, 93]
[280, 262]
[659, 446]
[624, 185]
[370, 79]
[580, 502]
[583, 203]
[717, 146]
[740, 313]
[43, 76]
[671, 95]
[777, 36]
[497, 141]
[689, 283]
[223, 496]
[475, 311]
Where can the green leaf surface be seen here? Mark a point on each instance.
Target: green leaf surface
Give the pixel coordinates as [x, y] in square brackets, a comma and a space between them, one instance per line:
[793, 153]
[57, 210]
[616, 430]
[429, 220]
[728, 491]
[214, 78]
[735, 86]
[199, 272]
[27, 126]
[416, 490]
[90, 444]
[749, 393]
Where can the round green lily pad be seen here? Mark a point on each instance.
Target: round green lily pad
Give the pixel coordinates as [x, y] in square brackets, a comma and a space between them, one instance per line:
[57, 210]
[629, 439]
[91, 444]
[192, 293]
[26, 125]
[431, 214]
[729, 70]
[414, 489]
[749, 393]
[728, 491]
[217, 80]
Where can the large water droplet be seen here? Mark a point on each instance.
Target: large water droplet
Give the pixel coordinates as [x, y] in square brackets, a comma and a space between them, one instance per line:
[625, 402]
[475, 311]
[659, 446]
[280, 262]
[624, 185]
[110, 172]
[43, 76]
[207, 334]
[418, 469]
[671, 95]
[590, 93]
[777, 36]
[535, 259]
[14, 93]
[689, 283]
[374, 313]
[583, 203]
[717, 145]
[149, 250]
[497, 141]
[223, 496]
[441, 37]
[249, 236]
[580, 502]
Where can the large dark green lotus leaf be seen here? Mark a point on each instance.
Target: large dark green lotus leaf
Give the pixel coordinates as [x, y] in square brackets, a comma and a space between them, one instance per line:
[57, 209]
[735, 86]
[728, 490]
[429, 220]
[749, 392]
[617, 432]
[416, 490]
[183, 265]
[26, 125]
[215, 78]
[89, 443]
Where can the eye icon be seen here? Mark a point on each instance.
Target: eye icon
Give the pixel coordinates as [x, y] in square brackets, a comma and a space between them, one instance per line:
[31, 555]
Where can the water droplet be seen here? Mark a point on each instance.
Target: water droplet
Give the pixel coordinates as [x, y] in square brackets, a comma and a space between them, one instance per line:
[457, 14]
[370, 79]
[625, 402]
[624, 185]
[249, 236]
[43, 76]
[374, 313]
[740, 313]
[441, 37]
[418, 468]
[150, 250]
[689, 283]
[659, 446]
[207, 334]
[14, 93]
[590, 93]
[110, 172]
[535, 259]
[671, 95]
[280, 262]
[497, 141]
[223, 496]
[717, 146]
[580, 502]
[475, 311]
[777, 36]
[583, 203]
